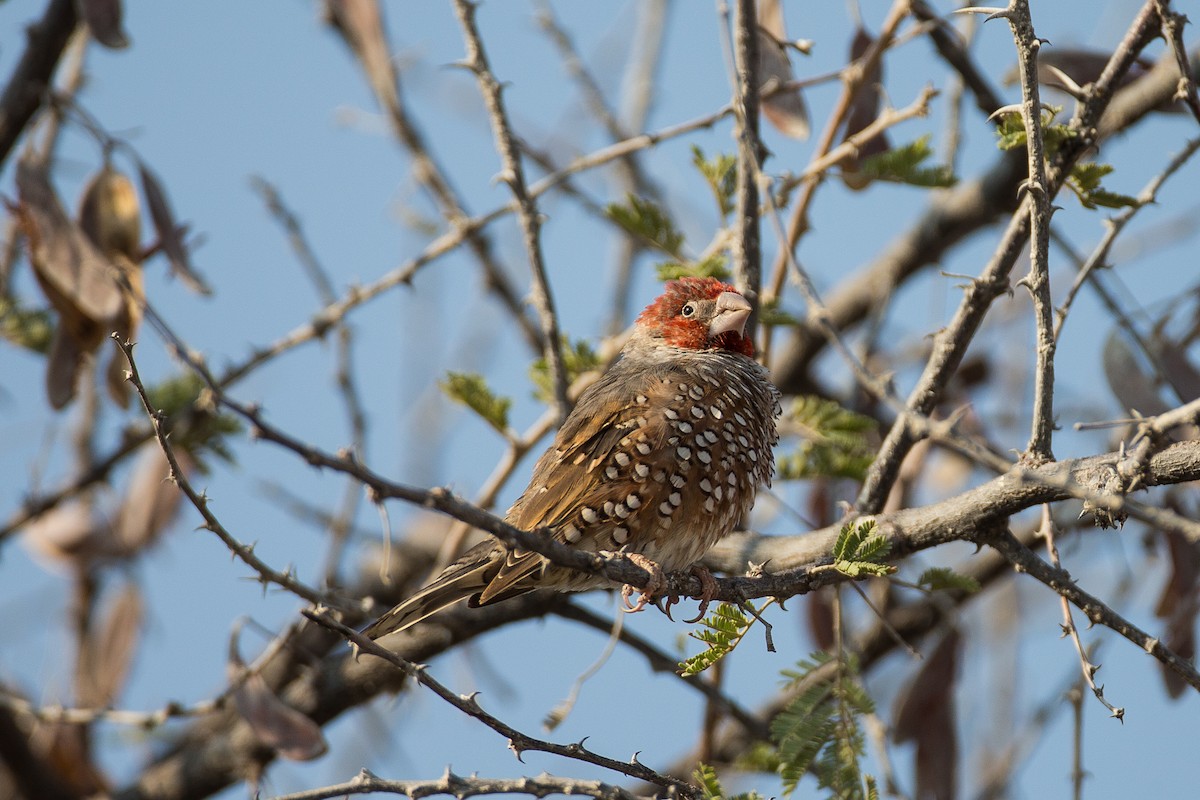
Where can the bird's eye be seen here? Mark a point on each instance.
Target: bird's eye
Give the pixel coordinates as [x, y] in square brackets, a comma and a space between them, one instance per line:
[689, 310]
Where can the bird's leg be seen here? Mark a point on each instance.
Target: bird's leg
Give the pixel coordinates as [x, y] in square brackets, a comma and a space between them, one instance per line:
[657, 582]
[708, 590]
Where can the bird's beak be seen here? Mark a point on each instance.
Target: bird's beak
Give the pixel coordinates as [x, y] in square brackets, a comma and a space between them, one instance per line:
[731, 314]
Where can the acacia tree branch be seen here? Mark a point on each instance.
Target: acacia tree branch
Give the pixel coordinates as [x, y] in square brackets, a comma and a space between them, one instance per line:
[514, 175]
[747, 254]
[459, 786]
[1038, 280]
[518, 742]
[27, 88]
[952, 342]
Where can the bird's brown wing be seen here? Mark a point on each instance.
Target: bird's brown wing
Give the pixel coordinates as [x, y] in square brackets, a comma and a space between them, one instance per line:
[569, 476]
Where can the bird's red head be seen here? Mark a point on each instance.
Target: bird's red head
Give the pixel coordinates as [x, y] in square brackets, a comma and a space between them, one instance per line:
[700, 314]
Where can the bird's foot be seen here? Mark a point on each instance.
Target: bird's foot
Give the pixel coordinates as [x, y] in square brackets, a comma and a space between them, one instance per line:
[657, 582]
[708, 590]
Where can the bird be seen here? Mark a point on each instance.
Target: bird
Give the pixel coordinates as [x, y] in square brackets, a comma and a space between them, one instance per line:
[659, 459]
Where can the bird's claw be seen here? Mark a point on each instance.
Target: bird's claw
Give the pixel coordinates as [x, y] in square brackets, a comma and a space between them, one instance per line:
[708, 590]
[657, 582]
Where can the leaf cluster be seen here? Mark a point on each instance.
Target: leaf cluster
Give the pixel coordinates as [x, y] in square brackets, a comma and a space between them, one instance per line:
[721, 632]
[860, 552]
[648, 222]
[837, 442]
[577, 358]
[472, 391]
[818, 731]
[1084, 178]
[720, 172]
[902, 164]
[30, 328]
[191, 419]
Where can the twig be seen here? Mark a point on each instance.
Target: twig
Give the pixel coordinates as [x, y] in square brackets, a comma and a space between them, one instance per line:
[747, 255]
[1038, 450]
[459, 786]
[513, 174]
[518, 742]
[1024, 560]
[852, 80]
[245, 553]
[1172, 28]
[952, 342]
[1087, 668]
[30, 81]
[339, 524]
[1114, 225]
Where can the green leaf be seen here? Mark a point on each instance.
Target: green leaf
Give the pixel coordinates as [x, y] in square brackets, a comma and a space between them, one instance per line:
[712, 267]
[191, 419]
[944, 578]
[859, 552]
[1010, 130]
[721, 174]
[706, 776]
[31, 328]
[472, 391]
[818, 731]
[902, 164]
[836, 442]
[722, 631]
[647, 221]
[1084, 181]
[577, 357]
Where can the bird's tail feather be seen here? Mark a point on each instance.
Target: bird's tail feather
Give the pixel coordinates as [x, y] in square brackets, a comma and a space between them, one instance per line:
[452, 586]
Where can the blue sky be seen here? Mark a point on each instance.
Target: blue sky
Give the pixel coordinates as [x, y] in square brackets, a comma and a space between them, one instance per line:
[211, 94]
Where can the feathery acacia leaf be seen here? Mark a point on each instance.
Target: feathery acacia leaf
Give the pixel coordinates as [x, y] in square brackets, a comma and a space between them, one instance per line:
[472, 391]
[649, 222]
[837, 442]
[722, 631]
[712, 267]
[944, 578]
[902, 164]
[721, 174]
[860, 552]
[577, 358]
[1084, 181]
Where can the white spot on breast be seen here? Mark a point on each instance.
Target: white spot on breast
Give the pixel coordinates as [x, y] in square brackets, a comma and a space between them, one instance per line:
[716, 412]
[744, 441]
[731, 479]
[684, 453]
[633, 501]
[675, 499]
[712, 437]
[620, 535]
[704, 457]
[611, 473]
[697, 412]
[669, 413]
[696, 393]
[740, 419]
[753, 454]
[609, 507]
[706, 486]
[572, 534]
[684, 427]
[589, 515]
[641, 470]
[678, 481]
[621, 459]
[709, 506]
[644, 448]
[621, 512]
[666, 508]
[640, 399]
[718, 493]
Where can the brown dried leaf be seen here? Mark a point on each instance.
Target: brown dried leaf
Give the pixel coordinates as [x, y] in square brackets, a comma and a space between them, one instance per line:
[110, 215]
[75, 276]
[1177, 368]
[109, 649]
[64, 533]
[103, 18]
[864, 109]
[783, 109]
[925, 714]
[170, 233]
[150, 503]
[1130, 384]
[279, 726]
[360, 22]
